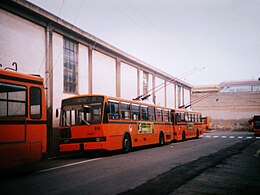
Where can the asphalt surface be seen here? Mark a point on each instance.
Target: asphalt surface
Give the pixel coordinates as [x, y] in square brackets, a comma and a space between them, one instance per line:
[218, 163]
[234, 170]
[237, 174]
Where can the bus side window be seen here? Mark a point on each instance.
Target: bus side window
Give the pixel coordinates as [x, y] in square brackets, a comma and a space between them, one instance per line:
[159, 114]
[125, 110]
[151, 113]
[13, 100]
[135, 112]
[35, 103]
[166, 116]
[183, 117]
[178, 117]
[189, 117]
[186, 117]
[144, 111]
[192, 116]
[172, 116]
[114, 109]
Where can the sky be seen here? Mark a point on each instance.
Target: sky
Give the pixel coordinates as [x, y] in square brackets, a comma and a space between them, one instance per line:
[202, 42]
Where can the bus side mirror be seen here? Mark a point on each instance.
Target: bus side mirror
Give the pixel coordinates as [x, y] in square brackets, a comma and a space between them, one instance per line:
[57, 113]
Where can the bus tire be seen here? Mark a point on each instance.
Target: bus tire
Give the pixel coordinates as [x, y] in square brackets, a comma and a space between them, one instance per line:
[183, 136]
[126, 145]
[161, 139]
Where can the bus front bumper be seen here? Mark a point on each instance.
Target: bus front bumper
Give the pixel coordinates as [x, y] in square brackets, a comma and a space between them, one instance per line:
[82, 146]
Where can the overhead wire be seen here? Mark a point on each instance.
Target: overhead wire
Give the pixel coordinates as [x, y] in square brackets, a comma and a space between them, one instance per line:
[162, 85]
[151, 24]
[201, 98]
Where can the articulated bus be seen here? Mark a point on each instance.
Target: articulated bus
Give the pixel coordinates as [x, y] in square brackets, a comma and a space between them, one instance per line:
[23, 127]
[255, 122]
[90, 122]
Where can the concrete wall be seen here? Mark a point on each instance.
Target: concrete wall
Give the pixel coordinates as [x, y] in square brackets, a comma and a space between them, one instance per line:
[160, 91]
[170, 95]
[58, 72]
[129, 82]
[151, 86]
[186, 98]
[104, 74]
[227, 110]
[83, 69]
[179, 96]
[23, 42]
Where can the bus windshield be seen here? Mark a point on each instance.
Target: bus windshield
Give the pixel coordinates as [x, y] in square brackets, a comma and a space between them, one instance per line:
[256, 122]
[82, 111]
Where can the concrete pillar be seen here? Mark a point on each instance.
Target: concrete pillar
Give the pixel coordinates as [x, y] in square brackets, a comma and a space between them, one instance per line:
[153, 91]
[49, 88]
[118, 77]
[90, 72]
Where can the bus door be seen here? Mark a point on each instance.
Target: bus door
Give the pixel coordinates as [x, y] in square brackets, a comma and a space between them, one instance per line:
[12, 122]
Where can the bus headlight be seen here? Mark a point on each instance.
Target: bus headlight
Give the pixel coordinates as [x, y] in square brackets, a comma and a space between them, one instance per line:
[100, 139]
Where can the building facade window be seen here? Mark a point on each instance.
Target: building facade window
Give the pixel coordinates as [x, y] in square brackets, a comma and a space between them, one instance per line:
[70, 61]
[256, 87]
[239, 88]
[145, 82]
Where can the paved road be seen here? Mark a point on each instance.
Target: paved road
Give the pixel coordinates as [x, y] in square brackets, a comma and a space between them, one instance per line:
[237, 174]
[137, 172]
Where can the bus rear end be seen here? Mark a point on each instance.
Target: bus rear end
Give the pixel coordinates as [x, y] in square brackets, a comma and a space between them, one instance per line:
[256, 125]
[23, 126]
[81, 124]
[206, 123]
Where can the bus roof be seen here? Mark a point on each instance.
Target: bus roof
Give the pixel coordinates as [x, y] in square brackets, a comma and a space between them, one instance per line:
[183, 110]
[20, 77]
[129, 101]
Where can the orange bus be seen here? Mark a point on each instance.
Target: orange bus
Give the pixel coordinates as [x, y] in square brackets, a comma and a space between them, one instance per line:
[255, 122]
[206, 123]
[22, 119]
[91, 122]
[188, 124]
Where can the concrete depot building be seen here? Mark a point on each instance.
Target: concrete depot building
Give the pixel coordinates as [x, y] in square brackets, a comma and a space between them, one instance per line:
[74, 62]
[229, 104]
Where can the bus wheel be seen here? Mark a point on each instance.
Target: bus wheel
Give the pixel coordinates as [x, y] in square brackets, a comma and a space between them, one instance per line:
[183, 136]
[127, 143]
[161, 139]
